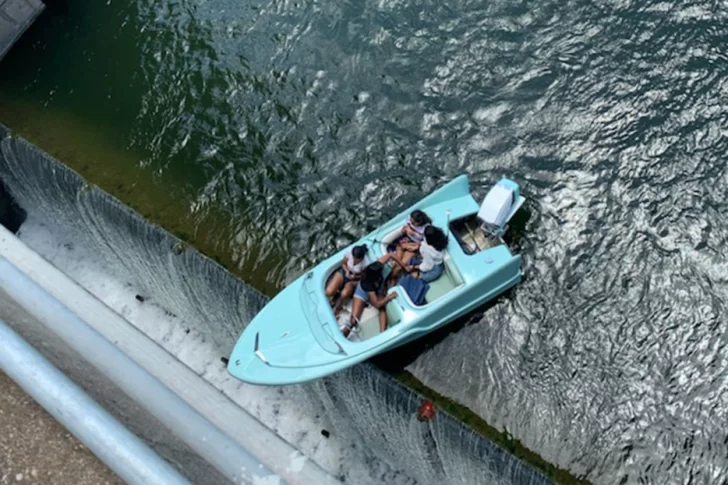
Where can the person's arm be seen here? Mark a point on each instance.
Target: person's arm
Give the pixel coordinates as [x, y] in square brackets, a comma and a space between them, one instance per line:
[345, 267]
[426, 258]
[411, 246]
[380, 302]
[391, 256]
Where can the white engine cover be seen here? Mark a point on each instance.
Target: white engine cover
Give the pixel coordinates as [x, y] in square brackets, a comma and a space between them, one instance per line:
[498, 206]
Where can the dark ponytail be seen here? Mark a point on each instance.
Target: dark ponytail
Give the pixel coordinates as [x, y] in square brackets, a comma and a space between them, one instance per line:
[435, 237]
[373, 276]
[359, 251]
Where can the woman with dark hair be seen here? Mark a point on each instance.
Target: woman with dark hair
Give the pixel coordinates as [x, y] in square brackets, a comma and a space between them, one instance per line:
[371, 290]
[414, 230]
[347, 276]
[413, 235]
[431, 264]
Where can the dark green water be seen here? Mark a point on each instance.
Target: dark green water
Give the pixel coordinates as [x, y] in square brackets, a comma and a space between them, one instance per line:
[271, 133]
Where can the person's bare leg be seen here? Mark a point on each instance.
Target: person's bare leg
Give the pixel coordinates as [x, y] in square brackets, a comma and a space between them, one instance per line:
[345, 295]
[382, 320]
[386, 258]
[357, 308]
[406, 258]
[336, 281]
[396, 268]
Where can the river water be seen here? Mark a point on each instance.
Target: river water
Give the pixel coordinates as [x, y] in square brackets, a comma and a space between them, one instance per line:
[282, 130]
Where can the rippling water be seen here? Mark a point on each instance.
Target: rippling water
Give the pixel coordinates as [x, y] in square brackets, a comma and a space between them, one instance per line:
[308, 122]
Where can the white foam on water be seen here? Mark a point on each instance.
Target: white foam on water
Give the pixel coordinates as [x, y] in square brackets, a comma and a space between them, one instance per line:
[297, 462]
[286, 410]
[267, 480]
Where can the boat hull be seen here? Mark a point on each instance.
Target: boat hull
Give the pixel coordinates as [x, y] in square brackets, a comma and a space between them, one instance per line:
[247, 367]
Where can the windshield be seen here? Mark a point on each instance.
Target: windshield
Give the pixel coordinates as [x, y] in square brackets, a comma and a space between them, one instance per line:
[319, 315]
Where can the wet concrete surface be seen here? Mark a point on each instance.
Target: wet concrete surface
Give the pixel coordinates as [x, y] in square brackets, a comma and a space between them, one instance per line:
[35, 448]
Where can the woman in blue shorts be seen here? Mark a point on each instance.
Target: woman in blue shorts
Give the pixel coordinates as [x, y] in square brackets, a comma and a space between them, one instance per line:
[371, 290]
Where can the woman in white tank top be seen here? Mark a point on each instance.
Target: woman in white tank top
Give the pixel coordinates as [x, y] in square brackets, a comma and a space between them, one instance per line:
[347, 276]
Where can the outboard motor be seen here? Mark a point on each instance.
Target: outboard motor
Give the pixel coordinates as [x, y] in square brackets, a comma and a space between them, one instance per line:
[503, 200]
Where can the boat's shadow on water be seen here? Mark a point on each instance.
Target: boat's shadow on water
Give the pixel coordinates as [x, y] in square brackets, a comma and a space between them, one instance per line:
[57, 6]
[399, 358]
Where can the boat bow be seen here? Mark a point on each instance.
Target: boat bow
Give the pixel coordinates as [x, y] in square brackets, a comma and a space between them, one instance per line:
[278, 340]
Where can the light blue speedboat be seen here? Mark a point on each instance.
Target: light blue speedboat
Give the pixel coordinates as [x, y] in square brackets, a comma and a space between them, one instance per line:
[296, 337]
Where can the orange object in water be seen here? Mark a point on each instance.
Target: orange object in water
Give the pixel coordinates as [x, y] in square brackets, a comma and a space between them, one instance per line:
[426, 411]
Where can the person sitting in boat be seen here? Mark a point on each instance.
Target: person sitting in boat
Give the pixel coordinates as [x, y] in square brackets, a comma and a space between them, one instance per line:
[431, 262]
[371, 290]
[414, 230]
[347, 276]
[413, 235]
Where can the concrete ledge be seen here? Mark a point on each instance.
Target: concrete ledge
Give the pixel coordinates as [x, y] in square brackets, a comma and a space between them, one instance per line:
[271, 450]
[15, 18]
[127, 411]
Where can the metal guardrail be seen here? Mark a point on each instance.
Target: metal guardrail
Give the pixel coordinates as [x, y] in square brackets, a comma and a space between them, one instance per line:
[206, 439]
[268, 451]
[120, 449]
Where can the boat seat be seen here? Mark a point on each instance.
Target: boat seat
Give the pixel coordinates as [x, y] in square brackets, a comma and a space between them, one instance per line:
[448, 281]
[369, 322]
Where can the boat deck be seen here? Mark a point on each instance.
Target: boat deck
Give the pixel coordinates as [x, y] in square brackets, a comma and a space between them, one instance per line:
[471, 235]
[369, 322]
